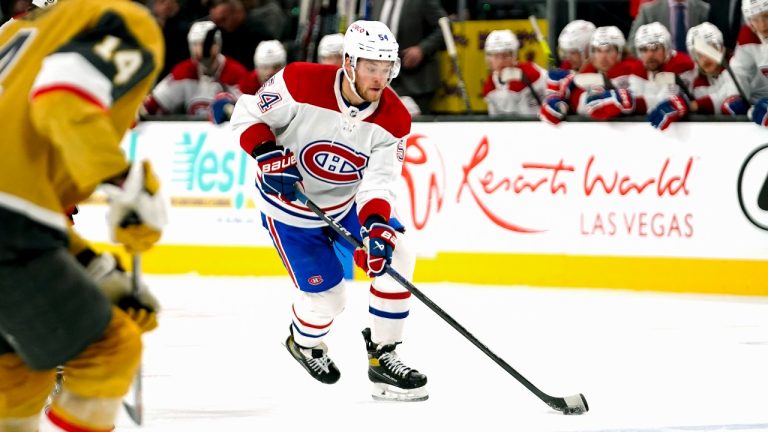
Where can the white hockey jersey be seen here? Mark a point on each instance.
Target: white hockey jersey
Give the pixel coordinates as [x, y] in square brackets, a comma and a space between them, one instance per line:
[710, 92]
[344, 154]
[186, 91]
[750, 64]
[514, 96]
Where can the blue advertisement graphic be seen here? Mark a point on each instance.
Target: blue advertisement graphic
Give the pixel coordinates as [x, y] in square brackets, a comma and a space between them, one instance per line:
[205, 170]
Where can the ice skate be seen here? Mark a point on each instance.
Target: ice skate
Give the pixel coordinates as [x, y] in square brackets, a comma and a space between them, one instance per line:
[392, 380]
[315, 360]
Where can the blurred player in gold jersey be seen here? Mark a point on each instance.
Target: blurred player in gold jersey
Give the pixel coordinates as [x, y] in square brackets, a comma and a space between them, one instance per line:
[71, 80]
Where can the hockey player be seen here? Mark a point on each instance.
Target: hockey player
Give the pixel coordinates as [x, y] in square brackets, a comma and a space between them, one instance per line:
[750, 59]
[573, 45]
[330, 49]
[512, 87]
[192, 84]
[712, 88]
[339, 134]
[669, 76]
[73, 78]
[618, 75]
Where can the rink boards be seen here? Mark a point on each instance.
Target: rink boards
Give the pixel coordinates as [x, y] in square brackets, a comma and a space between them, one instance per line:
[616, 205]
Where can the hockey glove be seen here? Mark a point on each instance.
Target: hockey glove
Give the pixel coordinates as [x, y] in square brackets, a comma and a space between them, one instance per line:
[117, 285]
[137, 212]
[668, 111]
[278, 173]
[759, 112]
[734, 106]
[610, 103]
[553, 110]
[379, 240]
[220, 110]
[559, 82]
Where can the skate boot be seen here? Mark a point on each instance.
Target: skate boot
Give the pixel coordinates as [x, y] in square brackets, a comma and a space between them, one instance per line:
[315, 360]
[392, 380]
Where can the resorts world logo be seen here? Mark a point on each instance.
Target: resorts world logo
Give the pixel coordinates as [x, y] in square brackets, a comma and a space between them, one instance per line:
[753, 187]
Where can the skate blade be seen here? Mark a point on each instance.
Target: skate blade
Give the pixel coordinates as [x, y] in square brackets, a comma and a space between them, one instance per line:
[389, 393]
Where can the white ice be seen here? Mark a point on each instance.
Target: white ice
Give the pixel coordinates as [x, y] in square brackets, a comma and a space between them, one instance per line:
[644, 361]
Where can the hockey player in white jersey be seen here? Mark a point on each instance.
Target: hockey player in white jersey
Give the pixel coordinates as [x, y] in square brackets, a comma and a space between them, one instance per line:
[750, 59]
[712, 88]
[193, 84]
[573, 44]
[338, 133]
[512, 86]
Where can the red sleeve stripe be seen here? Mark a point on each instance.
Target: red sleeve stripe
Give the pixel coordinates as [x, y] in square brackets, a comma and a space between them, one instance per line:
[81, 93]
[390, 296]
[254, 136]
[376, 206]
[67, 426]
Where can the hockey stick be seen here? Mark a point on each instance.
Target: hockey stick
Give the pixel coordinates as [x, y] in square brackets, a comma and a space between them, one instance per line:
[575, 404]
[702, 47]
[450, 46]
[552, 60]
[135, 410]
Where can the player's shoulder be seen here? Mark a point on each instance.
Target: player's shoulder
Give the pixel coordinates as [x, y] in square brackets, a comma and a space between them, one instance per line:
[302, 79]
[679, 63]
[312, 83]
[232, 72]
[747, 36]
[184, 70]
[391, 115]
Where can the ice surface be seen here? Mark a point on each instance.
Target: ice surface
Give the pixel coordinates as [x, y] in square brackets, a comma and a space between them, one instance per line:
[645, 362]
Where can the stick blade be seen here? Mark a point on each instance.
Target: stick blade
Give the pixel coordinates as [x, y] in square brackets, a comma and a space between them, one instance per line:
[705, 49]
[570, 405]
[133, 412]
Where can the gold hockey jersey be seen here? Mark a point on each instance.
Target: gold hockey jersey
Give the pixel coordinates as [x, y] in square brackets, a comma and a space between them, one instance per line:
[72, 78]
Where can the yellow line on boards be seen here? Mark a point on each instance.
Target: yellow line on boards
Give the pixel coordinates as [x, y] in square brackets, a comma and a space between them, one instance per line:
[690, 275]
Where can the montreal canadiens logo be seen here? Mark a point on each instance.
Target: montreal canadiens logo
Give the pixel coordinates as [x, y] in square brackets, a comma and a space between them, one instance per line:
[333, 162]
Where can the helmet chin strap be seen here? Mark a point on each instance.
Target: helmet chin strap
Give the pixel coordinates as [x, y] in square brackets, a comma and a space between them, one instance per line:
[352, 82]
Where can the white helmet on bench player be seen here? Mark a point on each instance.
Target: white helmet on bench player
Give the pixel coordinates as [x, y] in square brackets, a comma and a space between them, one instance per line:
[607, 36]
[575, 36]
[370, 40]
[499, 41]
[653, 34]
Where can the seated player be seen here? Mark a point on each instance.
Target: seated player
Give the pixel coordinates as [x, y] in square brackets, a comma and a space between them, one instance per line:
[330, 49]
[512, 86]
[192, 84]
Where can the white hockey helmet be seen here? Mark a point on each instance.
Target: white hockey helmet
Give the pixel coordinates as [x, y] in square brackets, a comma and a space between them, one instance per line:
[42, 4]
[607, 36]
[750, 8]
[653, 34]
[269, 53]
[204, 32]
[575, 36]
[371, 40]
[499, 41]
[331, 44]
[708, 32]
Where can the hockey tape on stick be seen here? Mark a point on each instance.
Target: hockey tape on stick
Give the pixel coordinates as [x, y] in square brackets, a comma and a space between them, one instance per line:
[551, 58]
[576, 404]
[450, 46]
